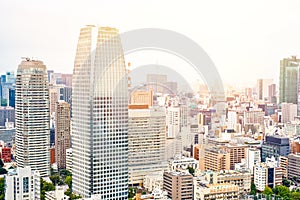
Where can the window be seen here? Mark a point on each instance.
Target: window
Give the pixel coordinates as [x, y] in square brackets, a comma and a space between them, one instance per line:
[25, 184]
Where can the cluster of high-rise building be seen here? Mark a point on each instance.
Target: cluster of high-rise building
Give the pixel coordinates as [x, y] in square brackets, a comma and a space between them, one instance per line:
[171, 144]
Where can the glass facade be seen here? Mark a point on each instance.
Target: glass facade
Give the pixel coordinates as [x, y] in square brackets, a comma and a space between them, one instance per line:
[100, 115]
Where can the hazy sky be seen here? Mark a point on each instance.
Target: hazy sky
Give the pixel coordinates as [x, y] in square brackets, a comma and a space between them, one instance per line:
[245, 39]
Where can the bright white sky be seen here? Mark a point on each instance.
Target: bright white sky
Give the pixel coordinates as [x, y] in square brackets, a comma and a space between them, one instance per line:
[245, 39]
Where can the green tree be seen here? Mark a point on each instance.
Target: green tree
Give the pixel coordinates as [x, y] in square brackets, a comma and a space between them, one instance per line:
[268, 191]
[286, 182]
[64, 173]
[131, 192]
[191, 170]
[253, 189]
[45, 187]
[295, 195]
[282, 191]
[68, 181]
[2, 188]
[55, 179]
[71, 195]
[295, 179]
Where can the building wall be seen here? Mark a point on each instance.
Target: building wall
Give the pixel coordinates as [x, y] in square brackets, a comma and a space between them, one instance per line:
[32, 117]
[178, 185]
[142, 98]
[62, 133]
[146, 143]
[22, 184]
[100, 131]
[216, 160]
[294, 166]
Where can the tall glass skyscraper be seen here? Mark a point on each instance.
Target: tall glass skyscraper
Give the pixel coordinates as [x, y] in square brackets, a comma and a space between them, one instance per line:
[100, 115]
[32, 117]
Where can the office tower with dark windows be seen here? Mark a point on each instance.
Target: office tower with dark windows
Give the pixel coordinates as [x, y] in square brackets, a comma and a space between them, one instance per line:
[32, 117]
[100, 115]
[275, 146]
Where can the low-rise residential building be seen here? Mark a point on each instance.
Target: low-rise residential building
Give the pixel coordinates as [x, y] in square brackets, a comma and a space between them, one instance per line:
[237, 153]
[179, 185]
[22, 184]
[268, 173]
[216, 159]
[57, 194]
[283, 163]
[294, 167]
[181, 162]
[242, 179]
[153, 181]
[217, 191]
[6, 154]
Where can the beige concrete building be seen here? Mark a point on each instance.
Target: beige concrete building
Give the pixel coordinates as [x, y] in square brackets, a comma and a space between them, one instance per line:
[142, 98]
[242, 179]
[54, 97]
[216, 159]
[179, 185]
[62, 133]
[216, 191]
[283, 163]
[237, 153]
[254, 117]
[294, 167]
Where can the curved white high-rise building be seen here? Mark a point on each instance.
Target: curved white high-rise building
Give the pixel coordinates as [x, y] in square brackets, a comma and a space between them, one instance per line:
[32, 117]
[100, 115]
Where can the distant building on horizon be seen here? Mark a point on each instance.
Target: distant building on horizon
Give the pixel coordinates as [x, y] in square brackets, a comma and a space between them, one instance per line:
[142, 98]
[158, 81]
[289, 90]
[263, 88]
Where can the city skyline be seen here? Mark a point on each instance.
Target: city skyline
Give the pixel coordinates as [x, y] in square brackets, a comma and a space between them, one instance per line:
[150, 100]
[256, 34]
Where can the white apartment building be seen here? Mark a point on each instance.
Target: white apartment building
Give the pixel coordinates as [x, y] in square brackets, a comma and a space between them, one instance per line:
[289, 112]
[153, 181]
[22, 184]
[33, 117]
[69, 162]
[181, 162]
[57, 194]
[268, 173]
[146, 143]
[253, 157]
[176, 119]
